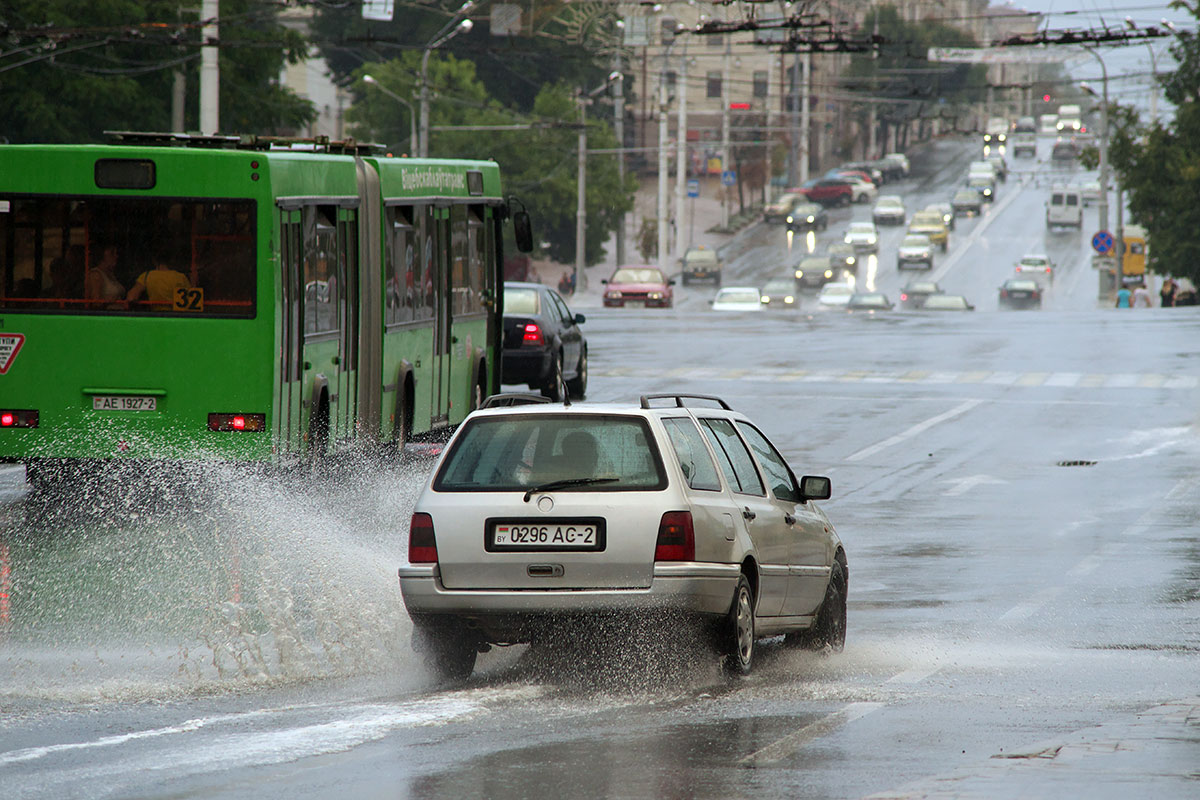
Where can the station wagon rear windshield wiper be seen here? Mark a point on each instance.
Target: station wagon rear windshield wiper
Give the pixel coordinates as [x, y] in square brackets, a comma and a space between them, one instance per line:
[563, 484]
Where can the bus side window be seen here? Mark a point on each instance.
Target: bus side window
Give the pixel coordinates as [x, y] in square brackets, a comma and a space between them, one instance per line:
[320, 263]
[400, 298]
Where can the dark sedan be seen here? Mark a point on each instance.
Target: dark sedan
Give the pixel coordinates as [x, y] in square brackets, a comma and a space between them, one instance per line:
[807, 217]
[967, 201]
[543, 346]
[1020, 293]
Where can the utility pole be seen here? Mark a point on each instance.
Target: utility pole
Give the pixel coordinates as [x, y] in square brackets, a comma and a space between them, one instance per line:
[794, 116]
[663, 241]
[681, 160]
[619, 130]
[581, 198]
[805, 116]
[726, 79]
[210, 71]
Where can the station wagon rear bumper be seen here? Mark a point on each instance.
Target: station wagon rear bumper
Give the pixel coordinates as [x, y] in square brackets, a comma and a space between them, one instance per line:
[702, 588]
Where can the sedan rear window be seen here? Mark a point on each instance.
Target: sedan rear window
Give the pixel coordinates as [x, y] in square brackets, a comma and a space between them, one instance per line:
[516, 451]
[520, 301]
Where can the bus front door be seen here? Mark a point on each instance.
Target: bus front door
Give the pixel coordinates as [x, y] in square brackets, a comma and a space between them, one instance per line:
[343, 412]
[289, 427]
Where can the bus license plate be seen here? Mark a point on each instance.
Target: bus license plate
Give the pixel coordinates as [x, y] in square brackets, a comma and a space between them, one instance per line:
[557, 536]
[124, 403]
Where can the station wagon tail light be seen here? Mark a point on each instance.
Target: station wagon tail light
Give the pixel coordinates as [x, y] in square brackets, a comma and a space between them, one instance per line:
[533, 334]
[243, 423]
[18, 419]
[903, 297]
[422, 547]
[676, 537]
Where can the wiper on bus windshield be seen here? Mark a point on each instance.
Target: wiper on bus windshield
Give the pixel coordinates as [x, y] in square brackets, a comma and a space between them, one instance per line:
[563, 484]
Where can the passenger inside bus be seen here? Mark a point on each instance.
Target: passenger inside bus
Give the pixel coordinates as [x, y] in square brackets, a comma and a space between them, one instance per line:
[159, 285]
[101, 282]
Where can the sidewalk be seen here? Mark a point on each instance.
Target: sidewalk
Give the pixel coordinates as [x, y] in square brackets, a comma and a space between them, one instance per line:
[1153, 755]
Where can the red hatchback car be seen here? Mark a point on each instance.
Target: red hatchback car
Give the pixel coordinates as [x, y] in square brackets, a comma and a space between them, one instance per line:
[644, 285]
[829, 191]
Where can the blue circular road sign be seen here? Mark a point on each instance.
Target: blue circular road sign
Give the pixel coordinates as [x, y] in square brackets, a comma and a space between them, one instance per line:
[1103, 242]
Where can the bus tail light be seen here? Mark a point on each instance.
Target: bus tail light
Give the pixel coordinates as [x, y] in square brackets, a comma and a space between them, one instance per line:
[533, 334]
[422, 546]
[13, 418]
[248, 423]
[676, 537]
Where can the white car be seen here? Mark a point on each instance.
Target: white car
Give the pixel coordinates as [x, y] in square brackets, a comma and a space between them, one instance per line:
[835, 295]
[1037, 266]
[900, 159]
[889, 208]
[669, 511]
[863, 191]
[738, 298]
[864, 236]
[915, 250]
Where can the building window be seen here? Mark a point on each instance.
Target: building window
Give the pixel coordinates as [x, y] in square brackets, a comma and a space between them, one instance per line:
[713, 81]
[760, 83]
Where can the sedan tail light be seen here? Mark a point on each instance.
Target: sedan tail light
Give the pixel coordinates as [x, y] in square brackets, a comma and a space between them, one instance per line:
[422, 547]
[676, 537]
[533, 334]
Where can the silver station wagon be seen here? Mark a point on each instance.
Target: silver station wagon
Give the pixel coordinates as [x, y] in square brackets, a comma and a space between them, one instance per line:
[538, 515]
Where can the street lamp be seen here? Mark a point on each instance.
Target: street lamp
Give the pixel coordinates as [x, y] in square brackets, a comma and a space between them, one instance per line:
[455, 26]
[412, 117]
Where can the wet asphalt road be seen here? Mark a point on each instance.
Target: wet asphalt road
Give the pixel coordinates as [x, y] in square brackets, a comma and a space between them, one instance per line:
[1017, 493]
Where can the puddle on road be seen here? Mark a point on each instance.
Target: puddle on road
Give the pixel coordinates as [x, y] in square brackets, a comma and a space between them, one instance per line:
[204, 583]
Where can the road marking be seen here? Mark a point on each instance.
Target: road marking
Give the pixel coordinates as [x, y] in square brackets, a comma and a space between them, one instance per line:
[1064, 379]
[919, 428]
[1032, 605]
[964, 485]
[781, 749]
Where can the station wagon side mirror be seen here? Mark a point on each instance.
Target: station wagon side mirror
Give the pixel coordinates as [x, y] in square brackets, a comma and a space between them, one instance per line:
[580, 319]
[604, 281]
[815, 487]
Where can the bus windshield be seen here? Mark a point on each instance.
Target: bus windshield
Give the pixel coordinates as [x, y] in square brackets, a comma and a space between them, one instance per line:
[128, 256]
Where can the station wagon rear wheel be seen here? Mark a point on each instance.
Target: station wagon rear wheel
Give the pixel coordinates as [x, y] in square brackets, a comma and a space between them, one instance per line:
[738, 631]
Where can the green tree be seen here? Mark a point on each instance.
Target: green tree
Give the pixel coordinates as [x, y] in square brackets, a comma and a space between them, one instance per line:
[1157, 167]
[72, 70]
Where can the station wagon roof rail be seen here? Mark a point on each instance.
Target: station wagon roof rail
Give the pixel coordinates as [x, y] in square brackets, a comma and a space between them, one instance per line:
[679, 398]
[507, 399]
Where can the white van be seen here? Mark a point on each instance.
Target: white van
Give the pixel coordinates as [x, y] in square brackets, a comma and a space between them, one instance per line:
[1065, 207]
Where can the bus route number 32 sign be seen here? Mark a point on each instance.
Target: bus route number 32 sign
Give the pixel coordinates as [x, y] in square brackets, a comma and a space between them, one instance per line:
[10, 345]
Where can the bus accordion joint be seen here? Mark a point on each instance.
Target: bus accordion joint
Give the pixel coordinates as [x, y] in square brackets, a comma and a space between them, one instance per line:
[244, 423]
[13, 418]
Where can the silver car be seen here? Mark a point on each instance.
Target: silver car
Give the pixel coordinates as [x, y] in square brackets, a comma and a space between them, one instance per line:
[543, 515]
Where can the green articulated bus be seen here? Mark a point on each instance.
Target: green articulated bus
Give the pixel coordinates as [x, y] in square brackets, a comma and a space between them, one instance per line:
[187, 298]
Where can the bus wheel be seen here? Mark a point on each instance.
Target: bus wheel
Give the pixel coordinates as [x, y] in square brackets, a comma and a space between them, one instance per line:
[318, 434]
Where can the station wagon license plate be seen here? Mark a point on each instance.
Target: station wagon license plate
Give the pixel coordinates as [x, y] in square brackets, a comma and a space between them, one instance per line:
[124, 403]
[539, 534]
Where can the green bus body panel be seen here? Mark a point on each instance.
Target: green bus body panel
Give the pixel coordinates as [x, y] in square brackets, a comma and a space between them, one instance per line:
[194, 367]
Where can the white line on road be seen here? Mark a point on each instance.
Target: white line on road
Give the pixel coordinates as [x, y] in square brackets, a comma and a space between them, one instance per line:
[920, 427]
[781, 749]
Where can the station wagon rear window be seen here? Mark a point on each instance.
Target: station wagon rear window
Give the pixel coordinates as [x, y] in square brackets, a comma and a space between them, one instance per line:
[514, 452]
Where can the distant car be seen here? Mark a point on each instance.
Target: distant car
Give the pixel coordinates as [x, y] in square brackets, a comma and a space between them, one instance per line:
[779, 293]
[644, 285]
[967, 201]
[890, 168]
[945, 210]
[1020, 293]
[816, 271]
[900, 159]
[927, 223]
[984, 185]
[863, 237]
[541, 520]
[839, 172]
[738, 298]
[1048, 124]
[869, 302]
[1024, 144]
[915, 293]
[914, 250]
[829, 191]
[1036, 266]
[543, 345]
[890, 209]
[869, 167]
[947, 302]
[864, 191]
[1001, 166]
[807, 217]
[835, 295]
[843, 255]
[1064, 150]
[778, 210]
[996, 131]
[1025, 125]
[701, 264]
[1090, 192]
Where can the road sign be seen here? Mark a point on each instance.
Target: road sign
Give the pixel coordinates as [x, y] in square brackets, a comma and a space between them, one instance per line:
[728, 177]
[1103, 242]
[693, 187]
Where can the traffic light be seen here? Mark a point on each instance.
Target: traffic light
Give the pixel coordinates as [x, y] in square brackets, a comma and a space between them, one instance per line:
[1045, 98]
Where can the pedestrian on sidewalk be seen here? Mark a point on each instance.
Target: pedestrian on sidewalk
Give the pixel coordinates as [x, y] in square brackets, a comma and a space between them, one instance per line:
[1167, 293]
[1123, 296]
[1141, 297]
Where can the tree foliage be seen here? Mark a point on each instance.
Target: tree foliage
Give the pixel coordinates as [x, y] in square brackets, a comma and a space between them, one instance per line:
[72, 70]
[1158, 168]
